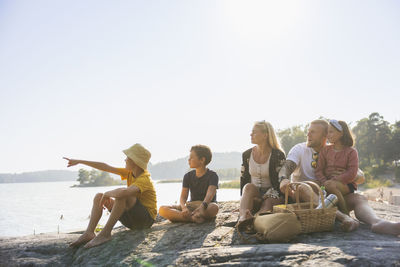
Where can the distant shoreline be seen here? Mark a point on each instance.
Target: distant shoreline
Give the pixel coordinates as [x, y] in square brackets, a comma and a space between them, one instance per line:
[92, 185]
[167, 181]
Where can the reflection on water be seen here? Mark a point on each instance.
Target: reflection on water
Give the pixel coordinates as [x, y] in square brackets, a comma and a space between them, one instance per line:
[49, 207]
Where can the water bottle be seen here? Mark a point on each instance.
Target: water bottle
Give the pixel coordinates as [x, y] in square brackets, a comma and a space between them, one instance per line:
[330, 201]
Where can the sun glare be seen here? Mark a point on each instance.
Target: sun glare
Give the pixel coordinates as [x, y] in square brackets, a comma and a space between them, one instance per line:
[260, 19]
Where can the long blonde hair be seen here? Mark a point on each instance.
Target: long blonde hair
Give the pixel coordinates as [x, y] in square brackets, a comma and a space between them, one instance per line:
[267, 128]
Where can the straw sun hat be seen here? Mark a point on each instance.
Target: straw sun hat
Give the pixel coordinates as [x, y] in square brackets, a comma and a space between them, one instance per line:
[139, 155]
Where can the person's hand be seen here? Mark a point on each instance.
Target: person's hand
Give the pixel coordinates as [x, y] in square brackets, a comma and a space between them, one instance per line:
[108, 204]
[105, 201]
[185, 211]
[197, 210]
[283, 185]
[71, 162]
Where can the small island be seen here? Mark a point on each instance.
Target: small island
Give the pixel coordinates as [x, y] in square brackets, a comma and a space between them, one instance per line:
[95, 178]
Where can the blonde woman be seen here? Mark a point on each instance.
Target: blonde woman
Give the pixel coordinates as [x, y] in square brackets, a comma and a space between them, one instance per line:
[259, 185]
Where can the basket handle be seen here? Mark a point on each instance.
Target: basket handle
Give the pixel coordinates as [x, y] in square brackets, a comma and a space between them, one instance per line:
[297, 194]
[321, 194]
[308, 185]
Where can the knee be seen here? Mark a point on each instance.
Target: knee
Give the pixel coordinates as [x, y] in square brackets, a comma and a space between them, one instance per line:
[213, 208]
[303, 189]
[361, 198]
[357, 198]
[163, 210]
[249, 188]
[330, 186]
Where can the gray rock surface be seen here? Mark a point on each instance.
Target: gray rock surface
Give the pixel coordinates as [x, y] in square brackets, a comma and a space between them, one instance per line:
[213, 244]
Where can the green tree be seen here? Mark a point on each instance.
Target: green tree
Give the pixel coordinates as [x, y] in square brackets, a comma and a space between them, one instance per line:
[230, 173]
[291, 136]
[394, 145]
[373, 136]
[103, 179]
[83, 176]
[93, 176]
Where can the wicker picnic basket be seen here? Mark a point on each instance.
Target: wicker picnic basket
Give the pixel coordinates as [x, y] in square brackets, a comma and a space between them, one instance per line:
[311, 219]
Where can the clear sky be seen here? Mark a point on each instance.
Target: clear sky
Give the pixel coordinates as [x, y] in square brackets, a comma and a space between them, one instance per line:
[86, 79]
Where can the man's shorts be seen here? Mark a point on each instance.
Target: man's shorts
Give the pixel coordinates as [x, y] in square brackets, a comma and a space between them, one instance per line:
[137, 217]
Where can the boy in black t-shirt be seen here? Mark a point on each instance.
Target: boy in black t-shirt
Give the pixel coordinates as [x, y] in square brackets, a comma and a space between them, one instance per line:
[202, 184]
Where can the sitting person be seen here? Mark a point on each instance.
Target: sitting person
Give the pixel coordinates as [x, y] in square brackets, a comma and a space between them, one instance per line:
[134, 206]
[338, 163]
[202, 184]
[259, 185]
[300, 166]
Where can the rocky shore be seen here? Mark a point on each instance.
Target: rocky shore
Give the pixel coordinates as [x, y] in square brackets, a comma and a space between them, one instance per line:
[211, 244]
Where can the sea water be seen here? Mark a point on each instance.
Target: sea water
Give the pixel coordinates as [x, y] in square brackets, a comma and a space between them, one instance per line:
[34, 208]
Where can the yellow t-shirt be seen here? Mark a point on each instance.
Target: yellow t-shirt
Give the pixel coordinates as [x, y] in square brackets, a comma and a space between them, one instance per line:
[147, 195]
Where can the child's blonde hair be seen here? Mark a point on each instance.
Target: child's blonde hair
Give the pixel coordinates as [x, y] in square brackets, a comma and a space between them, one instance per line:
[267, 128]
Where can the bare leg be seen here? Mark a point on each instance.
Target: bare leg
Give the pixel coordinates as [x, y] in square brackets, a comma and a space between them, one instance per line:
[367, 215]
[120, 205]
[305, 194]
[203, 215]
[95, 216]
[211, 211]
[174, 214]
[348, 223]
[339, 189]
[250, 191]
[268, 204]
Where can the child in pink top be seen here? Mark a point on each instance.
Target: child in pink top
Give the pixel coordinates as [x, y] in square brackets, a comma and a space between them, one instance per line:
[338, 163]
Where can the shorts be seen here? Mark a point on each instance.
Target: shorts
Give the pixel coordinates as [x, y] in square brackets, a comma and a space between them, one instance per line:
[262, 190]
[351, 188]
[137, 217]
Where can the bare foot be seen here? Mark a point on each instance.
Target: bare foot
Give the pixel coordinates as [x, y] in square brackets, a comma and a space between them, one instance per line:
[349, 224]
[386, 227]
[246, 216]
[98, 240]
[84, 238]
[197, 218]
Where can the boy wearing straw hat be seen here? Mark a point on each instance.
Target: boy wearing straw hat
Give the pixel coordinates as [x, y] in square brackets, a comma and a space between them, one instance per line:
[134, 206]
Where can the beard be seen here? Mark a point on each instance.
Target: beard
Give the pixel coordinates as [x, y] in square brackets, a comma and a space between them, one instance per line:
[313, 143]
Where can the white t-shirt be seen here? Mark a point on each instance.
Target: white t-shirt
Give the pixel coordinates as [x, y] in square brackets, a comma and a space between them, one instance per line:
[301, 154]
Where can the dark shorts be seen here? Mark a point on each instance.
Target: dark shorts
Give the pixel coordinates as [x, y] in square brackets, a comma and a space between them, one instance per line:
[137, 217]
[351, 188]
[262, 190]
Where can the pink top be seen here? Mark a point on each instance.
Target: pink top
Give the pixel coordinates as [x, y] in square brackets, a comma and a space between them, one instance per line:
[337, 165]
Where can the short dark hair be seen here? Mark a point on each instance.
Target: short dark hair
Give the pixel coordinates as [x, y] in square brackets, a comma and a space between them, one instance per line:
[202, 151]
[347, 139]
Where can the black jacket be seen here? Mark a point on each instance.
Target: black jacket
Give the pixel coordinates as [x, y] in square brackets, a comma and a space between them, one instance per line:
[275, 164]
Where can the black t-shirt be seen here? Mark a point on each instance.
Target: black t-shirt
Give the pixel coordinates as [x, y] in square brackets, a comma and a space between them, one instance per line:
[198, 185]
